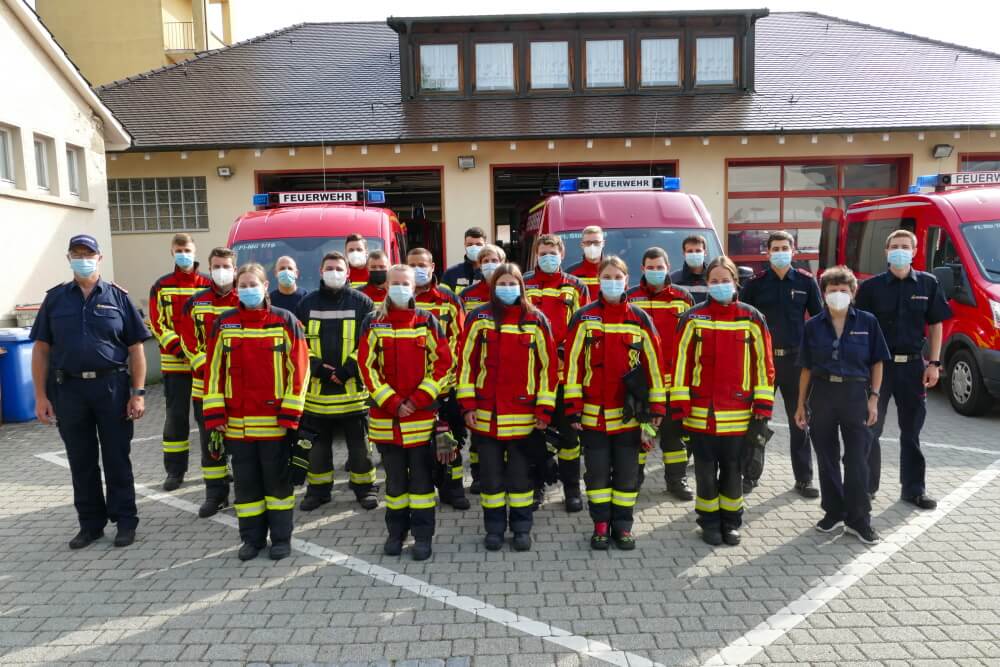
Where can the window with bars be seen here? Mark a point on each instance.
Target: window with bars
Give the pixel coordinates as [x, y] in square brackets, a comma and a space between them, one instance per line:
[157, 204]
[764, 196]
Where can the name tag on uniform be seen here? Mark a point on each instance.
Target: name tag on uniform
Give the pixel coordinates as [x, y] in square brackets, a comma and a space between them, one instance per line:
[462, 281]
[797, 291]
[921, 298]
[858, 333]
[107, 306]
[591, 318]
[701, 317]
[381, 325]
[231, 325]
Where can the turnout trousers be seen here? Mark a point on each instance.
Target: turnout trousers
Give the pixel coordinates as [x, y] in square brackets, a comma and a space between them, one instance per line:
[448, 476]
[612, 476]
[264, 494]
[674, 451]
[360, 468]
[905, 383]
[837, 411]
[718, 480]
[176, 422]
[567, 452]
[409, 490]
[215, 472]
[507, 488]
[91, 418]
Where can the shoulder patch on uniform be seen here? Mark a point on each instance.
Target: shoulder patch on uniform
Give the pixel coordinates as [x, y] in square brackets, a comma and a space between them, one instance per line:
[114, 284]
[804, 272]
[231, 325]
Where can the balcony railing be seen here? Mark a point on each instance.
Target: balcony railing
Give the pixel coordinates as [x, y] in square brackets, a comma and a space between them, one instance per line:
[178, 36]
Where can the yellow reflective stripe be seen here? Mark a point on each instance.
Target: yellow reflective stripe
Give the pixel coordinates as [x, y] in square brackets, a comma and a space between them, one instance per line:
[706, 505]
[279, 503]
[347, 345]
[642, 457]
[624, 498]
[493, 500]
[382, 394]
[465, 384]
[514, 431]
[363, 477]
[599, 496]
[174, 446]
[473, 457]
[213, 401]
[422, 501]
[697, 424]
[526, 499]
[761, 357]
[732, 427]
[732, 415]
[213, 472]
[320, 477]
[727, 504]
[430, 387]
[397, 502]
[679, 456]
[680, 391]
[456, 472]
[572, 364]
[569, 454]
[763, 393]
[408, 427]
[246, 510]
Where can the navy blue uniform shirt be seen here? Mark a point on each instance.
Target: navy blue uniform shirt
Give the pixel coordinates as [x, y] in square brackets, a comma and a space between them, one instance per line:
[89, 335]
[904, 307]
[289, 302]
[784, 303]
[461, 275]
[694, 282]
[852, 355]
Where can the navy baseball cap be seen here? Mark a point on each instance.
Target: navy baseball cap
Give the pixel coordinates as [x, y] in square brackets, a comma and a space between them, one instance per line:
[86, 240]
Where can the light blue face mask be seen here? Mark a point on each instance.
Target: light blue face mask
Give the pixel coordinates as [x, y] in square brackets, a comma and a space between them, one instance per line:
[781, 259]
[286, 278]
[488, 268]
[655, 276]
[472, 252]
[251, 297]
[549, 263]
[421, 275]
[900, 258]
[184, 260]
[83, 267]
[400, 295]
[694, 259]
[507, 294]
[722, 292]
[612, 289]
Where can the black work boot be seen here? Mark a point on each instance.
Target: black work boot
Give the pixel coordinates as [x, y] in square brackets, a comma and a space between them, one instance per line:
[422, 549]
[213, 503]
[173, 482]
[368, 498]
[85, 538]
[310, 503]
[679, 489]
[574, 501]
[248, 551]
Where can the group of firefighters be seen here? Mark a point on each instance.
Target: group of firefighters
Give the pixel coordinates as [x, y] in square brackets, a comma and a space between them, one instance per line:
[539, 367]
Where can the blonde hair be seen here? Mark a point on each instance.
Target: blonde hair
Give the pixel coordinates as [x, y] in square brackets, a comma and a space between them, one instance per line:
[257, 270]
[592, 229]
[615, 261]
[181, 238]
[383, 310]
[491, 249]
[902, 233]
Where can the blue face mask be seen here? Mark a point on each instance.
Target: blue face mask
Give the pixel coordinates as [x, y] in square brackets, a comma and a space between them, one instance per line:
[900, 258]
[421, 275]
[694, 259]
[549, 263]
[400, 295]
[722, 292]
[184, 260]
[781, 259]
[488, 268]
[655, 276]
[84, 267]
[507, 294]
[612, 289]
[472, 252]
[251, 297]
[286, 278]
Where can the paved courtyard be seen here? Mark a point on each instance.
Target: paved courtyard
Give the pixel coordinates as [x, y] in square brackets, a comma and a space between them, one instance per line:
[929, 595]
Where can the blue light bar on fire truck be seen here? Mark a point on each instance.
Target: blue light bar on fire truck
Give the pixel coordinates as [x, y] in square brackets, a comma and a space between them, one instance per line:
[319, 197]
[619, 183]
[958, 179]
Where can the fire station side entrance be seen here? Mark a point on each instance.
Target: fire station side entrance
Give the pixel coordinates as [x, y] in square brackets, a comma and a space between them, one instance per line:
[517, 188]
[413, 194]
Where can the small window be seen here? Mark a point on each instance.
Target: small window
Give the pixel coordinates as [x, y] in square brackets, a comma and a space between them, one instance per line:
[940, 250]
[660, 62]
[605, 63]
[980, 163]
[157, 204]
[6, 157]
[73, 169]
[439, 72]
[715, 65]
[756, 209]
[765, 178]
[550, 65]
[494, 67]
[810, 177]
[42, 163]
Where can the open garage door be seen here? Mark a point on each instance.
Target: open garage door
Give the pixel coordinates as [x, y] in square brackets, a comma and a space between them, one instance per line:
[414, 195]
[517, 188]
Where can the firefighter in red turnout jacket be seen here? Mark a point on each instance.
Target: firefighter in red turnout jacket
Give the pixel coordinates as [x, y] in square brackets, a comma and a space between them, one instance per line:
[405, 362]
[258, 370]
[558, 295]
[166, 304]
[664, 303]
[200, 313]
[723, 384]
[609, 340]
[507, 390]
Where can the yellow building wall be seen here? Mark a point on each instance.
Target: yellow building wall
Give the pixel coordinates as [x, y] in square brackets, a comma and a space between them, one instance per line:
[107, 39]
[42, 224]
[467, 195]
[177, 11]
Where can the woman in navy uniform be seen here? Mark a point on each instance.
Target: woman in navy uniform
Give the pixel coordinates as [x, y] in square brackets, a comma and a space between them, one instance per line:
[89, 371]
[841, 355]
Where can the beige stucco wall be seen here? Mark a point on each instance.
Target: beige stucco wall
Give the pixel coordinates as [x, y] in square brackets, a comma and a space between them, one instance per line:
[42, 224]
[466, 195]
[107, 39]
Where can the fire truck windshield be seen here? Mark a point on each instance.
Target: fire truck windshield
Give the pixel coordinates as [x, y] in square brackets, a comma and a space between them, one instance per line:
[306, 251]
[983, 239]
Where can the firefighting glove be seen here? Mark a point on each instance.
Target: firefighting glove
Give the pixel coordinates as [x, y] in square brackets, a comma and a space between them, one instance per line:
[446, 447]
[647, 437]
[754, 442]
[216, 445]
[299, 464]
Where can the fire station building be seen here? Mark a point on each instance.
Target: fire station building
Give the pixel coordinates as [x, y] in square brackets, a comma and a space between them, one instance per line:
[469, 121]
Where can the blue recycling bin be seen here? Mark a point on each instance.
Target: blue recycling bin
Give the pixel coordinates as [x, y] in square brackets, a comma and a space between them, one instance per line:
[18, 402]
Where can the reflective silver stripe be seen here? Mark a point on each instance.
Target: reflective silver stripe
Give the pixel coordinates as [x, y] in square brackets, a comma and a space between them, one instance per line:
[331, 314]
[881, 207]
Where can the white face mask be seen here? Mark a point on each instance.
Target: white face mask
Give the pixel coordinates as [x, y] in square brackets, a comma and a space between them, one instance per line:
[223, 277]
[335, 278]
[838, 301]
[357, 258]
[593, 252]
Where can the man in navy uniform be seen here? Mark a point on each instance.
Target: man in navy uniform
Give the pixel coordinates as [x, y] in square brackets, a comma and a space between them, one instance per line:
[89, 372]
[907, 303]
[785, 294]
[692, 275]
[466, 273]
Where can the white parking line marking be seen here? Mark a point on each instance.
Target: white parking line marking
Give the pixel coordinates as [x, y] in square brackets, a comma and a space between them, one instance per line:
[550, 633]
[933, 445]
[745, 648]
